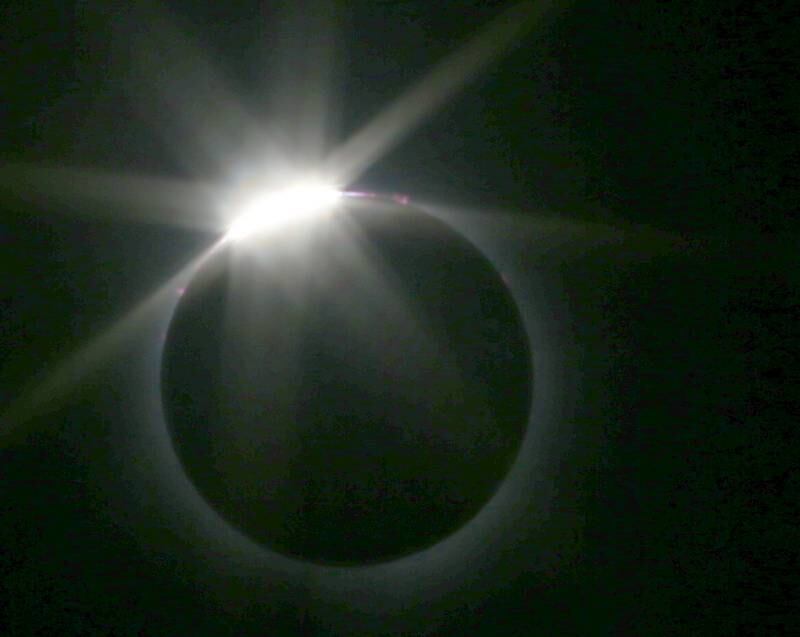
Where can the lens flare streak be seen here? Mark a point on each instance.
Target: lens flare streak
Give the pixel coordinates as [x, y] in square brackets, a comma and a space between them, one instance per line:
[106, 195]
[65, 375]
[440, 85]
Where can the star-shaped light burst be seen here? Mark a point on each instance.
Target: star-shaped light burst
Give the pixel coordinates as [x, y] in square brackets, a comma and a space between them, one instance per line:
[235, 212]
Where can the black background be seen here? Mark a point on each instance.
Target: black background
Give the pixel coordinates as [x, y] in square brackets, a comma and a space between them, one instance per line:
[671, 479]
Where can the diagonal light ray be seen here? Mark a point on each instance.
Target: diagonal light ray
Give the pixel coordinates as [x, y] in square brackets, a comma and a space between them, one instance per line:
[450, 75]
[113, 196]
[66, 374]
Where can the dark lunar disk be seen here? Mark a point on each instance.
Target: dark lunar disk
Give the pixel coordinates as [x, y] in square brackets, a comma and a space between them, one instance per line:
[351, 389]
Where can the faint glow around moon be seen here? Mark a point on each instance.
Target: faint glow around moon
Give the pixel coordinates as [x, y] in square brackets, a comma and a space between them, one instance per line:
[269, 210]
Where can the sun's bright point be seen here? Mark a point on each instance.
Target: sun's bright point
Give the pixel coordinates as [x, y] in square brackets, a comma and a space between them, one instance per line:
[265, 211]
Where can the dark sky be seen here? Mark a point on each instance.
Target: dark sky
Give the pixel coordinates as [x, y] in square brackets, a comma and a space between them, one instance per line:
[628, 164]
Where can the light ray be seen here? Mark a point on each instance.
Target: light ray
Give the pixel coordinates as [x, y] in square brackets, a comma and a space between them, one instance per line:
[113, 196]
[54, 385]
[441, 84]
[302, 51]
[546, 233]
[181, 92]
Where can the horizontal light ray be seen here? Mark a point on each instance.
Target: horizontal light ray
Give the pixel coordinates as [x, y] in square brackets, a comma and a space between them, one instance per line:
[55, 385]
[552, 235]
[113, 196]
[450, 75]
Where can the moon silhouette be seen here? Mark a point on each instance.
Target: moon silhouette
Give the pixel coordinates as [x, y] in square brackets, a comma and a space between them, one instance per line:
[350, 390]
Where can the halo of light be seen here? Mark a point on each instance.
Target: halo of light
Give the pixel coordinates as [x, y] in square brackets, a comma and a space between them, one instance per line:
[449, 505]
[437, 572]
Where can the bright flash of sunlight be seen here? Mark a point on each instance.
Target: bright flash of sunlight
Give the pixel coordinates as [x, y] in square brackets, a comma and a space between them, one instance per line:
[207, 124]
[265, 211]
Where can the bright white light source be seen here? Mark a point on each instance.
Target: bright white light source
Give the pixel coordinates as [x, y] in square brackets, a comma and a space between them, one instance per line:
[269, 210]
